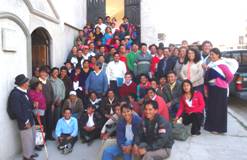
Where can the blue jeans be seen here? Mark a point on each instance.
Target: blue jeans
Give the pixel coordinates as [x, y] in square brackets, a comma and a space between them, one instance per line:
[111, 152]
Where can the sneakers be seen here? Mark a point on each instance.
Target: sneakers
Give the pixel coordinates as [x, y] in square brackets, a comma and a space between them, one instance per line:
[67, 149]
[60, 147]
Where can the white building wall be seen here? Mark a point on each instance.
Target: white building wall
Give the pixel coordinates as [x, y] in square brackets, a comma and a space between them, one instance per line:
[12, 64]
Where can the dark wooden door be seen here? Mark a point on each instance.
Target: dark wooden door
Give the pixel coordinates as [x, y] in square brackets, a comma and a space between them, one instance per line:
[132, 10]
[95, 9]
[40, 55]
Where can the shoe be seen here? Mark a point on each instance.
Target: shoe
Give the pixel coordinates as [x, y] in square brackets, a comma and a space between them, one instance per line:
[67, 149]
[196, 134]
[34, 155]
[60, 147]
[38, 148]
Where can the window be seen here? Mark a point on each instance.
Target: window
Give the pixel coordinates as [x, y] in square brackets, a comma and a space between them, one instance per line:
[237, 56]
[244, 58]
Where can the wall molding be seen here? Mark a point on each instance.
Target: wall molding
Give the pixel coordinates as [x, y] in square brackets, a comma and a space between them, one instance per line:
[41, 14]
[21, 24]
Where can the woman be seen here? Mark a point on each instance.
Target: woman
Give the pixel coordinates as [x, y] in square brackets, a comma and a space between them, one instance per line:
[86, 70]
[37, 97]
[106, 40]
[92, 60]
[66, 80]
[98, 35]
[142, 88]
[179, 64]
[58, 90]
[192, 69]
[217, 79]
[90, 38]
[94, 100]
[127, 131]
[192, 105]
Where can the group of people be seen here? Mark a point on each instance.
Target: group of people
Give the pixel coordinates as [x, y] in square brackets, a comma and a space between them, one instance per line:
[112, 86]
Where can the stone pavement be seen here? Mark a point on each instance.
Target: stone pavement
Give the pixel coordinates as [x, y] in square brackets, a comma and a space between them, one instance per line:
[231, 146]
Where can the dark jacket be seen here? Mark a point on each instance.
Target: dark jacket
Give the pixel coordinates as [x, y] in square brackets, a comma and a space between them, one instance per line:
[49, 94]
[106, 106]
[121, 126]
[68, 85]
[174, 95]
[97, 119]
[169, 64]
[22, 107]
[155, 134]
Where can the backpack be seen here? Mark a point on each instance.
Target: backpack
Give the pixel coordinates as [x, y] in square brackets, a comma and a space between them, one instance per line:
[181, 132]
[10, 109]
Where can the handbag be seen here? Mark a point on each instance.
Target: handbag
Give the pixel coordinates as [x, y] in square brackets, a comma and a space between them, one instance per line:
[180, 131]
[38, 137]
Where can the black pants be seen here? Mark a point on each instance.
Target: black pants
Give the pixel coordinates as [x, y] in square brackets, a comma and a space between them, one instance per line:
[195, 119]
[65, 141]
[113, 86]
[89, 136]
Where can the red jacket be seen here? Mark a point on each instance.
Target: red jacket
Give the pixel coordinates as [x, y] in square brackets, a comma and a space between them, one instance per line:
[198, 104]
[125, 90]
[154, 64]
[163, 110]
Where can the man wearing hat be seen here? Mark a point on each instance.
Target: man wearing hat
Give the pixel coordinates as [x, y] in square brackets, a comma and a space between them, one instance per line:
[21, 108]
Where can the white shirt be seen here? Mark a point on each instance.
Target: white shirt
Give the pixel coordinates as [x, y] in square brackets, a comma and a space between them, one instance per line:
[90, 122]
[115, 70]
[129, 133]
[102, 27]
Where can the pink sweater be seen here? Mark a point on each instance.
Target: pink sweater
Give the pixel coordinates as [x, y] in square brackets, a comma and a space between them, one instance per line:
[38, 97]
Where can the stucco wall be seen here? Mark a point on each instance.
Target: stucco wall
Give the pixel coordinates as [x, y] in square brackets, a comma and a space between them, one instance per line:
[12, 63]
[19, 62]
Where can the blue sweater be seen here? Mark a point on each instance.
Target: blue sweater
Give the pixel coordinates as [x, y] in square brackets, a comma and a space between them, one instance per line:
[97, 83]
[121, 127]
[64, 128]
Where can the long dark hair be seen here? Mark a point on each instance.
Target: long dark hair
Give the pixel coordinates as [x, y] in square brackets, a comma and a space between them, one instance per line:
[191, 87]
[197, 55]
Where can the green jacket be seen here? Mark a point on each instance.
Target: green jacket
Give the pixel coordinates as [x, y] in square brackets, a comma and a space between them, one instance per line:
[131, 57]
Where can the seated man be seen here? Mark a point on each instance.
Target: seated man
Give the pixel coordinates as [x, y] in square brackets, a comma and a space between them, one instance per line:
[110, 126]
[172, 93]
[90, 124]
[127, 130]
[154, 139]
[66, 131]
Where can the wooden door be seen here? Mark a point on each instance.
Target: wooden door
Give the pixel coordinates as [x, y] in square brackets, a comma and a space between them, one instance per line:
[95, 9]
[40, 55]
[132, 10]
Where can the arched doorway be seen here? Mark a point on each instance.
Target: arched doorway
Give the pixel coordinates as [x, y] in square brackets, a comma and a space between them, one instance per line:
[40, 47]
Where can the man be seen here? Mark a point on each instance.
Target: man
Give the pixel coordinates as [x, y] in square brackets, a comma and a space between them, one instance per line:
[66, 131]
[131, 57]
[90, 123]
[172, 93]
[166, 64]
[154, 141]
[205, 57]
[129, 87]
[78, 59]
[142, 62]
[162, 107]
[156, 58]
[127, 130]
[21, 108]
[101, 25]
[161, 88]
[97, 81]
[115, 72]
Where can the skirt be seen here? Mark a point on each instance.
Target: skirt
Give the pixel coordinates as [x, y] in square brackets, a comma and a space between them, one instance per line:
[216, 113]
